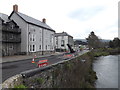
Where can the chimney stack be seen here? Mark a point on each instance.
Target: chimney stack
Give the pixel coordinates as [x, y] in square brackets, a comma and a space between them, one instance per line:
[15, 8]
[44, 20]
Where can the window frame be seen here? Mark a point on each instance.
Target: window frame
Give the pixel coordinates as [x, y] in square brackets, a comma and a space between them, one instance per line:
[32, 48]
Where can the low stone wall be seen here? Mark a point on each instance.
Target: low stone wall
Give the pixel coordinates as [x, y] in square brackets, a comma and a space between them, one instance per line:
[13, 81]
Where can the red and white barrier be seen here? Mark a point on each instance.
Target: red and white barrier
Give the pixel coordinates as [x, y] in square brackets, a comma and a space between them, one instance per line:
[68, 56]
[42, 63]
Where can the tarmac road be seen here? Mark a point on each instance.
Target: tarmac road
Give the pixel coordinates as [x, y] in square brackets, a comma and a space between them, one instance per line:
[12, 68]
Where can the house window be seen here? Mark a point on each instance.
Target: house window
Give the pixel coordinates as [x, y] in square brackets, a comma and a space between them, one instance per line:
[56, 42]
[11, 47]
[62, 43]
[40, 47]
[12, 26]
[32, 48]
[32, 37]
[46, 47]
[11, 36]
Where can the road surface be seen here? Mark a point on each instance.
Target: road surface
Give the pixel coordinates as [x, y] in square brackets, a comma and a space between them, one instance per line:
[12, 68]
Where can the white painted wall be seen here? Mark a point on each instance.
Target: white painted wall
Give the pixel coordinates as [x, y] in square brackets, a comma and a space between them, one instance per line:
[67, 40]
[37, 32]
[48, 40]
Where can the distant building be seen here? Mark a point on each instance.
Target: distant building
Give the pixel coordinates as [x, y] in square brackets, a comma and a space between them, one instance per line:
[61, 41]
[37, 36]
[11, 36]
[80, 44]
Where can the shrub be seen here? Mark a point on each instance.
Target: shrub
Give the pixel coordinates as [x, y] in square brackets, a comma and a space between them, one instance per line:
[39, 80]
[97, 54]
[20, 86]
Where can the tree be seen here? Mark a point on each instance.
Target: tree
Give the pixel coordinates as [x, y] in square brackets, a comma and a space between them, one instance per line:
[93, 41]
[115, 43]
[111, 44]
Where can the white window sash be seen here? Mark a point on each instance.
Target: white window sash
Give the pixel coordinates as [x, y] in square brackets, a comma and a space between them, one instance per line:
[32, 48]
[30, 37]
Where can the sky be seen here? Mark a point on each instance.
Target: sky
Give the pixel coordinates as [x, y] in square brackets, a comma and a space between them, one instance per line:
[76, 17]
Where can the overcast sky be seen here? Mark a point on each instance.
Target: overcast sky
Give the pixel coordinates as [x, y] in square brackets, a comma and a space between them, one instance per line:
[76, 17]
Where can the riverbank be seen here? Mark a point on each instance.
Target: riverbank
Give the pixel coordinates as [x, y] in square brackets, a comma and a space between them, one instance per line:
[105, 51]
[91, 56]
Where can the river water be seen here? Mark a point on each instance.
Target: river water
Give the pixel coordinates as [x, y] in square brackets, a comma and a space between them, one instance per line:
[106, 68]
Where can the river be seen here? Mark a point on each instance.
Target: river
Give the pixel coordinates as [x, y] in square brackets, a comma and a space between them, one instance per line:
[106, 68]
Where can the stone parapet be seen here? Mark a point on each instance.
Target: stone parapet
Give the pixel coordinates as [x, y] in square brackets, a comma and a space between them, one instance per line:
[13, 81]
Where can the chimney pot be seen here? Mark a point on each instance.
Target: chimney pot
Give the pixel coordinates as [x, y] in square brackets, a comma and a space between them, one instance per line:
[44, 20]
[15, 8]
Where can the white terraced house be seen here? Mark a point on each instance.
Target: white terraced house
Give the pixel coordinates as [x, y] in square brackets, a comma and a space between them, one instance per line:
[61, 41]
[36, 36]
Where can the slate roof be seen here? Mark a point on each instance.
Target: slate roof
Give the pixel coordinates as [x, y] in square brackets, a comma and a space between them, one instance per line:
[4, 17]
[62, 34]
[31, 20]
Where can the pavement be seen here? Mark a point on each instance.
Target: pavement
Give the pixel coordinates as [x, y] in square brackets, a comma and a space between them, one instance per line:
[23, 57]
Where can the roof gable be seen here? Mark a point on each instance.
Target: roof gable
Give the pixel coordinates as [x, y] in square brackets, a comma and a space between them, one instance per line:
[62, 34]
[31, 20]
[4, 17]
[11, 21]
[1, 19]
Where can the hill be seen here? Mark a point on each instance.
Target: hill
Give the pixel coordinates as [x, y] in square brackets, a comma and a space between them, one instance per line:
[84, 40]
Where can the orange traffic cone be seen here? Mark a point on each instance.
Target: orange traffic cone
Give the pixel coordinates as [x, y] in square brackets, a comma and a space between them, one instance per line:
[33, 60]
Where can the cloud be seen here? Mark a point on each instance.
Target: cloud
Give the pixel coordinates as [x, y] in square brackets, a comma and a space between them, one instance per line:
[84, 14]
[76, 17]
